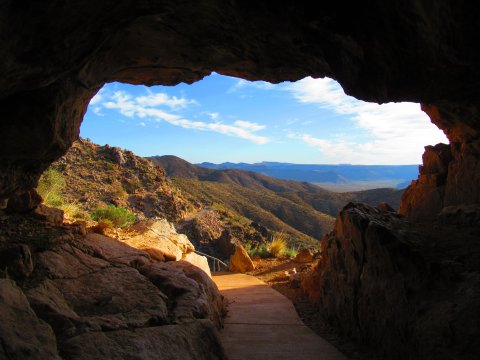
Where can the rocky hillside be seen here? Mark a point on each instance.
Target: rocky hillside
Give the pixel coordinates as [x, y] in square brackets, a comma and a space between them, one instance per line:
[213, 207]
[99, 175]
[301, 193]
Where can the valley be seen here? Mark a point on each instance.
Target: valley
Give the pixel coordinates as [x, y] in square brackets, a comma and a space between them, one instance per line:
[233, 205]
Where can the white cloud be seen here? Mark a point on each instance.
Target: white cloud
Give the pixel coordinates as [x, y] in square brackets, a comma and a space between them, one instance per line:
[213, 115]
[397, 132]
[147, 107]
[241, 84]
[97, 98]
[172, 102]
[248, 125]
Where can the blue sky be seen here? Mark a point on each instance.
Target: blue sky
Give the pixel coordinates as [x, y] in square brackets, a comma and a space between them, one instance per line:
[223, 118]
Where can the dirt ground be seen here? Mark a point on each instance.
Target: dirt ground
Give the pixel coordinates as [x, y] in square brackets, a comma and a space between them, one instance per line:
[279, 274]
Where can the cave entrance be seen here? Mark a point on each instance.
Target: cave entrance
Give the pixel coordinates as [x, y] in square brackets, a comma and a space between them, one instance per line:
[284, 131]
[223, 119]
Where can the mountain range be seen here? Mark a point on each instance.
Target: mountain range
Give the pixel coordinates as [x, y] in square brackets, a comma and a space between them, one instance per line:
[304, 206]
[335, 177]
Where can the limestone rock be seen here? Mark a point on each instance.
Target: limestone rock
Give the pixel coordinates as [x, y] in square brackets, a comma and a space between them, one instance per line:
[190, 341]
[199, 261]
[116, 251]
[240, 261]
[196, 295]
[304, 256]
[160, 239]
[23, 334]
[96, 287]
[390, 285]
[423, 199]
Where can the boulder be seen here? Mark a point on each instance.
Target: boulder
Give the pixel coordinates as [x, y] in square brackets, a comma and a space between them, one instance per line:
[160, 239]
[188, 341]
[304, 256]
[199, 261]
[23, 335]
[399, 288]
[240, 261]
[195, 294]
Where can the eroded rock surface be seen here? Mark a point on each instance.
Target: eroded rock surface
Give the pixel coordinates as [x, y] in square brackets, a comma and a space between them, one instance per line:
[240, 260]
[404, 290]
[94, 296]
[379, 51]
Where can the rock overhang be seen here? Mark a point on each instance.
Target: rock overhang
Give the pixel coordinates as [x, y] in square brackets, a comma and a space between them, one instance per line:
[59, 55]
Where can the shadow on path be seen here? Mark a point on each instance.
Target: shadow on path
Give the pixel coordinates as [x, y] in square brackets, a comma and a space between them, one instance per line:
[263, 324]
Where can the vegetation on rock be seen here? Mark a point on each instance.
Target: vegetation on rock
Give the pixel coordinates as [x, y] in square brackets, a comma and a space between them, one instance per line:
[118, 216]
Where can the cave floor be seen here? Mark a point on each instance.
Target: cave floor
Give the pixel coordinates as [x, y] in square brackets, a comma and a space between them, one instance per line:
[263, 324]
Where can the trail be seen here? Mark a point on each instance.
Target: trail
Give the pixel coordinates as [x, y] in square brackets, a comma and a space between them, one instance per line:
[263, 324]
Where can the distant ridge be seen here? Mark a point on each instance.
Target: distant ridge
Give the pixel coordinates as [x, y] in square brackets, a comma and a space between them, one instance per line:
[397, 175]
[303, 206]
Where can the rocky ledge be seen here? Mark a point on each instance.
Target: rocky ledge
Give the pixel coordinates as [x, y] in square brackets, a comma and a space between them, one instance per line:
[404, 290]
[67, 294]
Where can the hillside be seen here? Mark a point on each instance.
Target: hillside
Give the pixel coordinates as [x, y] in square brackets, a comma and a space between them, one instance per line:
[304, 194]
[103, 175]
[264, 207]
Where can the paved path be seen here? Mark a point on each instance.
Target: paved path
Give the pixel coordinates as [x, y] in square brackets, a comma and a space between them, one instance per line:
[263, 324]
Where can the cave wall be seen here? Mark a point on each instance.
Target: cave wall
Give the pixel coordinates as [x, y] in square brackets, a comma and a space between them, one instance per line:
[55, 57]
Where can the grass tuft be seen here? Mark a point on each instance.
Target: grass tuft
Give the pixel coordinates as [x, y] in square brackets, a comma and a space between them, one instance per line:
[278, 245]
[119, 216]
[75, 212]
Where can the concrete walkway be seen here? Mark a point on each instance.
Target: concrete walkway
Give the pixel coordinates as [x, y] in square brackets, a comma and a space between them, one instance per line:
[263, 324]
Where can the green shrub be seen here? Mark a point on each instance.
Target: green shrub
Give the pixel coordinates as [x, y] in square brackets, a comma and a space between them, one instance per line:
[261, 251]
[119, 216]
[50, 185]
[290, 252]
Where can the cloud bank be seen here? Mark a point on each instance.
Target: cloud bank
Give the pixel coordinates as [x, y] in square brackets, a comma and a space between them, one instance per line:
[151, 106]
[394, 133]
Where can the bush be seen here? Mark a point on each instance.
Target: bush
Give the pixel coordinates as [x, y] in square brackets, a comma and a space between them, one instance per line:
[119, 216]
[261, 251]
[278, 245]
[291, 252]
[50, 185]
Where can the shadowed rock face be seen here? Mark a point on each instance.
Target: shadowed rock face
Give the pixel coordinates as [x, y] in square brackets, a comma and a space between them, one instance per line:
[58, 55]
[406, 291]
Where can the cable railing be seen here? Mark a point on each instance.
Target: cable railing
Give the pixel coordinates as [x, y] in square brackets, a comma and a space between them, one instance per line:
[217, 263]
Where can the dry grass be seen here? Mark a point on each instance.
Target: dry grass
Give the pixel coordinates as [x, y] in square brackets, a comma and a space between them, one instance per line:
[278, 245]
[74, 212]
